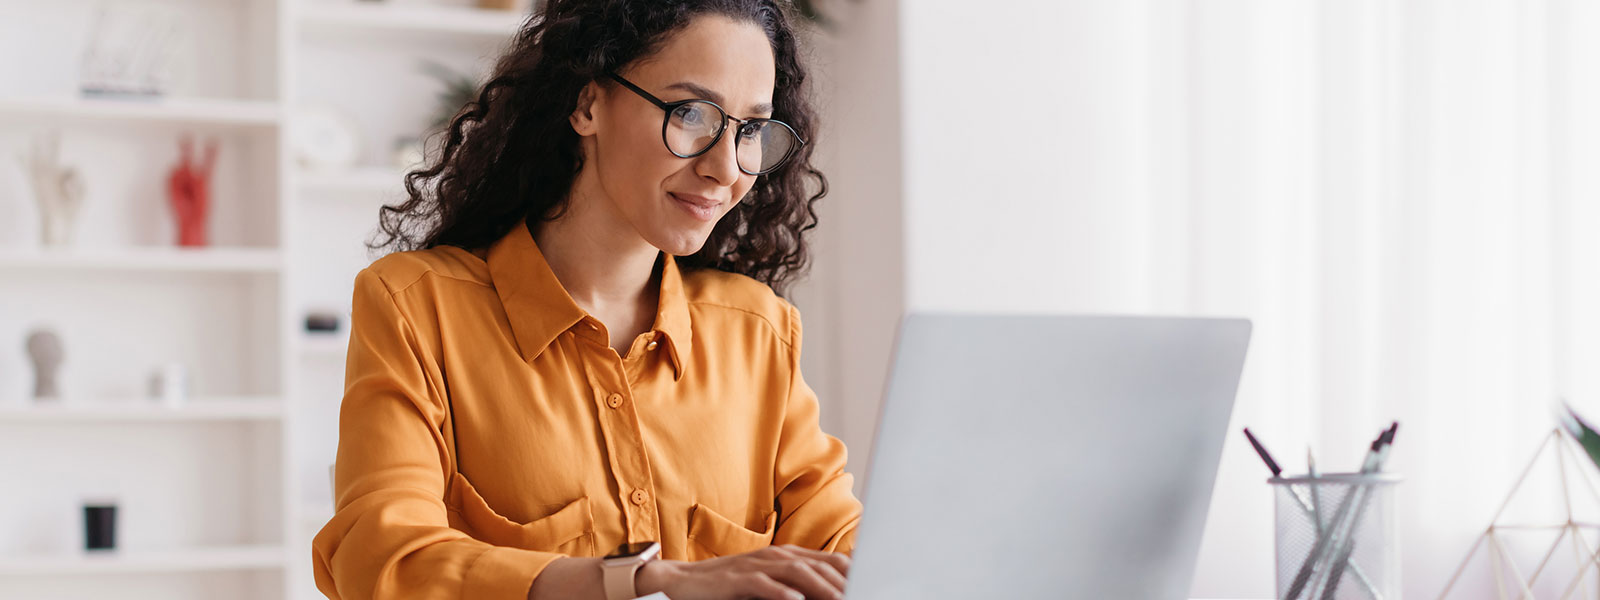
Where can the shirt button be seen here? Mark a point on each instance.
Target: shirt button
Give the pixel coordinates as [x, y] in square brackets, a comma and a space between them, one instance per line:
[614, 400]
[640, 497]
[650, 346]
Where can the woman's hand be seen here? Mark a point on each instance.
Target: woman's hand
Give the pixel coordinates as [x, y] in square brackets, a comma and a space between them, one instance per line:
[771, 573]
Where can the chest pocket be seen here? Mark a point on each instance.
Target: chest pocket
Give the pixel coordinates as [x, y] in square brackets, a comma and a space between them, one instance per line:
[567, 529]
[712, 535]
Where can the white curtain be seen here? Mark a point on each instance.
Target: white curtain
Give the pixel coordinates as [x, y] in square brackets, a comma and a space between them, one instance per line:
[1405, 195]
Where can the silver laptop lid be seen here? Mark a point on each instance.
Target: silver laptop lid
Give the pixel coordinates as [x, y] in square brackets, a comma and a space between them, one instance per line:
[1046, 456]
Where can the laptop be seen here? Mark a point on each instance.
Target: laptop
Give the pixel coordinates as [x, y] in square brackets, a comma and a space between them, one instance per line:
[1026, 456]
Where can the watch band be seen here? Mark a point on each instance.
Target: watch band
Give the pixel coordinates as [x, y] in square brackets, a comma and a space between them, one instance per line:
[619, 580]
[617, 571]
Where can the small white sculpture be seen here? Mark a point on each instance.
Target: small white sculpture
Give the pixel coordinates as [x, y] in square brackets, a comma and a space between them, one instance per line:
[57, 187]
[169, 384]
[44, 349]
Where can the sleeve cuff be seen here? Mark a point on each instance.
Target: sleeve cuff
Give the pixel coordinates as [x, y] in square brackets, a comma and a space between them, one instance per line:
[502, 573]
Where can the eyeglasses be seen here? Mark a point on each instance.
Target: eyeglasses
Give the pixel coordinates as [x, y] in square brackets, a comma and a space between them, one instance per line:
[692, 127]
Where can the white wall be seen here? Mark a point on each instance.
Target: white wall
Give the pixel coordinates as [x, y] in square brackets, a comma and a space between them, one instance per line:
[1028, 135]
[858, 282]
[1394, 192]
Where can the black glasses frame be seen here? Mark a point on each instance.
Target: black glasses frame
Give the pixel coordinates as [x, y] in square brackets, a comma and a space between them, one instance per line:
[666, 121]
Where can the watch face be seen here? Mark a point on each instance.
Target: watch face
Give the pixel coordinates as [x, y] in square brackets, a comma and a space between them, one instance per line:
[627, 550]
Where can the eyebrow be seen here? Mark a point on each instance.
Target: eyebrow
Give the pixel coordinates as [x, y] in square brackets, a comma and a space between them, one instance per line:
[764, 108]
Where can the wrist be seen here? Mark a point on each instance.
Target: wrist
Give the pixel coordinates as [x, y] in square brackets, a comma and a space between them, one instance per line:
[655, 576]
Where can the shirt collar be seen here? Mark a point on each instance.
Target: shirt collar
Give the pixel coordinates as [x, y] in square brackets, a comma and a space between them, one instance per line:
[539, 308]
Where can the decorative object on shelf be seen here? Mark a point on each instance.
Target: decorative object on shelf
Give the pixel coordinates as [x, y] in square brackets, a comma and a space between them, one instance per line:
[44, 349]
[56, 187]
[517, 6]
[322, 322]
[1574, 475]
[408, 153]
[324, 138]
[100, 525]
[458, 89]
[189, 191]
[133, 50]
[169, 384]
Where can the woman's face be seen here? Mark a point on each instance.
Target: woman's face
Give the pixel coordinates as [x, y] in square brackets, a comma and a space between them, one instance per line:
[673, 203]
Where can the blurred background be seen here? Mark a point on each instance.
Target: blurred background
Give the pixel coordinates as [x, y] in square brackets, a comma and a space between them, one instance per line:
[1402, 194]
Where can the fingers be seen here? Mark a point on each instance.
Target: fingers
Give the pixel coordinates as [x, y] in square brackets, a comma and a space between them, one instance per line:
[759, 585]
[840, 562]
[799, 575]
[817, 561]
[816, 578]
[826, 570]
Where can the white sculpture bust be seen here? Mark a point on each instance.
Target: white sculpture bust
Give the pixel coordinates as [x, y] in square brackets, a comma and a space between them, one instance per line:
[44, 349]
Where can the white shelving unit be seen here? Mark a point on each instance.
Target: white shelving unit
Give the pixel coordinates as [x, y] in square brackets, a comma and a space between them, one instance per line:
[221, 495]
[212, 113]
[187, 560]
[132, 410]
[410, 20]
[219, 260]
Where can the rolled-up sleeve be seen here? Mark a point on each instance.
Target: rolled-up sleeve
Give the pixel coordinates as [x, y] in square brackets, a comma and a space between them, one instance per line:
[817, 508]
[390, 536]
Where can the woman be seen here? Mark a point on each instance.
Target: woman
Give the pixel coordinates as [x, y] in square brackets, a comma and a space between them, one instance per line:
[586, 356]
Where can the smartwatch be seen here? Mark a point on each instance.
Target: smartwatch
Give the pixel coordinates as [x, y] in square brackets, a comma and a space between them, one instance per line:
[620, 566]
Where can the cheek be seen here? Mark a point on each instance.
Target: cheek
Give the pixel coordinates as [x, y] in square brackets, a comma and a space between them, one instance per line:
[634, 162]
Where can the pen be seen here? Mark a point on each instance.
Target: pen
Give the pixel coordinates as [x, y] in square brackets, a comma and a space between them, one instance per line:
[1316, 497]
[1262, 450]
[1321, 548]
[1311, 507]
[1348, 546]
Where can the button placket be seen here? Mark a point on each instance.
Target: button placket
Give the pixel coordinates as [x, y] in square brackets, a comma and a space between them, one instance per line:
[624, 441]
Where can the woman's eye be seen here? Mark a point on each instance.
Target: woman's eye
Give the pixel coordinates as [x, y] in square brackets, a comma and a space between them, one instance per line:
[750, 131]
[689, 115]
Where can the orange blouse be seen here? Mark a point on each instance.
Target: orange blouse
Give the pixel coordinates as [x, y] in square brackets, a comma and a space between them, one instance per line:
[488, 428]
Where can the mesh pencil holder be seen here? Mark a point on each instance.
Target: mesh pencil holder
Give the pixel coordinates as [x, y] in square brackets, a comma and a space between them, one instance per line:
[1336, 537]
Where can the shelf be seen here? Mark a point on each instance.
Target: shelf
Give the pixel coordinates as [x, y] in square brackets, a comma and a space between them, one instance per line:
[148, 258]
[216, 113]
[380, 18]
[265, 408]
[359, 179]
[325, 345]
[207, 558]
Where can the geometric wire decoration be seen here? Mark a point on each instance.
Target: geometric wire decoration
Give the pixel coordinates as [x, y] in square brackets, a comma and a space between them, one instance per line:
[1508, 578]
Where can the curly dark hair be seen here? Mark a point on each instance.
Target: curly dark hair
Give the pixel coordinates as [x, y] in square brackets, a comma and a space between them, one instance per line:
[512, 153]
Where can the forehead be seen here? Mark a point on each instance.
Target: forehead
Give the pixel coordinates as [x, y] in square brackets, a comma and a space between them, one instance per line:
[732, 58]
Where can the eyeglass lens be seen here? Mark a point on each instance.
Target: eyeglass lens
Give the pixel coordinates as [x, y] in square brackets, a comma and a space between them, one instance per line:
[694, 126]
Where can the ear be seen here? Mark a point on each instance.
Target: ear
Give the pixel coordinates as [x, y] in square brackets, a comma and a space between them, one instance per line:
[582, 117]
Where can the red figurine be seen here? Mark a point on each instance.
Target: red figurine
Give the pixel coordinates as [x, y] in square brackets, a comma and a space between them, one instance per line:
[189, 191]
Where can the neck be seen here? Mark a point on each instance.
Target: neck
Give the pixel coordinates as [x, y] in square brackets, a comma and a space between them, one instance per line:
[598, 258]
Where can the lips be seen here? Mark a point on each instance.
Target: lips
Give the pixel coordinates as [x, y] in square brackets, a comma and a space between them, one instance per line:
[700, 207]
[700, 201]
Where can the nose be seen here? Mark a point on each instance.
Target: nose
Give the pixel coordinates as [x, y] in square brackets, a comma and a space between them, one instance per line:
[721, 162]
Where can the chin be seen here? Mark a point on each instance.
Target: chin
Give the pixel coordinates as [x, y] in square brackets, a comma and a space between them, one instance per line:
[682, 243]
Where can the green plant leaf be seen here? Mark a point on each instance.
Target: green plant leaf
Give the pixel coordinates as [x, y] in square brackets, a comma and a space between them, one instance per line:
[1581, 431]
